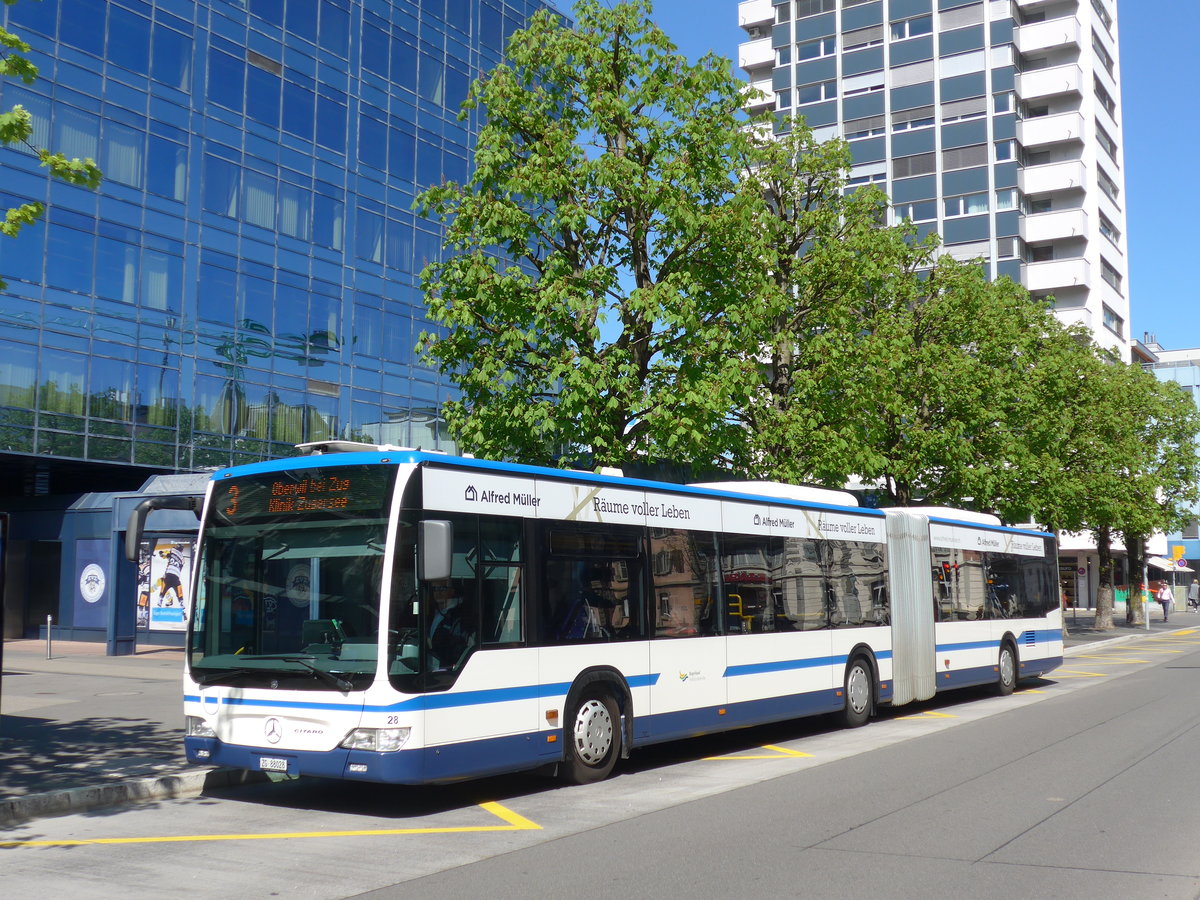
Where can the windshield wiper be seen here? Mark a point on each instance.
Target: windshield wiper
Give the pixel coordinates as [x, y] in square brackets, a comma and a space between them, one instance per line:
[328, 677]
[214, 677]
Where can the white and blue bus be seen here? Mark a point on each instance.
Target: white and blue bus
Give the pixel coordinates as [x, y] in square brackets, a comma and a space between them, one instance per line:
[392, 615]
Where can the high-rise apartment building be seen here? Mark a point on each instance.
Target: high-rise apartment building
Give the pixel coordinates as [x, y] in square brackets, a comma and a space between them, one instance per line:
[995, 123]
[247, 276]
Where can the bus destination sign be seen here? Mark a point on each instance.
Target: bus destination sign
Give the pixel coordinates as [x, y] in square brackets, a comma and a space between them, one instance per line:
[301, 493]
[330, 492]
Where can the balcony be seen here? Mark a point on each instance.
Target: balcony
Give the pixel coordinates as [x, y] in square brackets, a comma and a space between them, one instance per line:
[758, 104]
[1050, 129]
[753, 54]
[1057, 273]
[755, 12]
[1045, 35]
[1075, 315]
[1052, 177]
[1049, 226]
[1066, 79]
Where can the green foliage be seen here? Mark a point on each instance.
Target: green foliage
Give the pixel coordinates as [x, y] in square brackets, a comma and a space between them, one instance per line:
[1125, 446]
[16, 130]
[893, 365]
[633, 275]
[595, 298]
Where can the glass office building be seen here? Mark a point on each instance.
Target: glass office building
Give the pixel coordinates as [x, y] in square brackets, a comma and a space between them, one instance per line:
[247, 276]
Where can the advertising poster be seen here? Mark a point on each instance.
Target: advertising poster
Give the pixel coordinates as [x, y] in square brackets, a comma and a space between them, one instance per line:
[163, 573]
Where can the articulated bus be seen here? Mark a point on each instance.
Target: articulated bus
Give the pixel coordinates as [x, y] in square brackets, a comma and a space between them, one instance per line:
[392, 615]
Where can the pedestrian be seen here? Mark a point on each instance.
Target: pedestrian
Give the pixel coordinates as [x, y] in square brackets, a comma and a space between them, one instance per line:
[1194, 594]
[1165, 597]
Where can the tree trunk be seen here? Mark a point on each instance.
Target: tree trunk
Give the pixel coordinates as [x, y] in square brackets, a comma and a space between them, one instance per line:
[1104, 593]
[1134, 551]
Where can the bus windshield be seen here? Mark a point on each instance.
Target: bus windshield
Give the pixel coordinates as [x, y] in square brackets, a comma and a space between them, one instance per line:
[290, 571]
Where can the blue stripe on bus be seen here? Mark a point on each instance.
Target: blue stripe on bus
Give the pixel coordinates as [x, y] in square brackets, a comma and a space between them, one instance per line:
[280, 704]
[983, 526]
[788, 665]
[523, 692]
[417, 457]
[1039, 636]
[317, 461]
[669, 726]
[967, 645]
[432, 701]
[527, 750]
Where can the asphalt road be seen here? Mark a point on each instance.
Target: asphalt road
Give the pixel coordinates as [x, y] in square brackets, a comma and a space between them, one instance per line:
[1077, 786]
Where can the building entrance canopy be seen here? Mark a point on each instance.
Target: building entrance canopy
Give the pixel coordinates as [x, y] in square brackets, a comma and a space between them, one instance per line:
[1159, 563]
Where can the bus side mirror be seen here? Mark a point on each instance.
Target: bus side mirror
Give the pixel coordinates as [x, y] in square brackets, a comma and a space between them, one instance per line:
[137, 519]
[435, 543]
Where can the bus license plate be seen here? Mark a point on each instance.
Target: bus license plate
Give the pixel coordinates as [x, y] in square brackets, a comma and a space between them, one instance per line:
[272, 764]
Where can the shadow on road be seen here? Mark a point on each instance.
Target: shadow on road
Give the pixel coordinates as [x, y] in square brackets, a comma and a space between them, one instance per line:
[38, 754]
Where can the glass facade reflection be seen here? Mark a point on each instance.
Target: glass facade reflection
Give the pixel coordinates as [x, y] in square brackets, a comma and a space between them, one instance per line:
[247, 276]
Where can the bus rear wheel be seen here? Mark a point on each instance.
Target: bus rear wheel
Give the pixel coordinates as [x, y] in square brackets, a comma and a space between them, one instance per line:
[858, 693]
[1007, 667]
[593, 738]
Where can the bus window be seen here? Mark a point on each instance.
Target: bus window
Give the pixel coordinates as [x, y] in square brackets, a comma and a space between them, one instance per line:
[959, 588]
[684, 570]
[752, 569]
[858, 584]
[1019, 586]
[500, 581]
[802, 590]
[593, 584]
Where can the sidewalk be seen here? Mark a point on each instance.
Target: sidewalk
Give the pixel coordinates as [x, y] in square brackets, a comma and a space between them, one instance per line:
[1081, 631]
[84, 731]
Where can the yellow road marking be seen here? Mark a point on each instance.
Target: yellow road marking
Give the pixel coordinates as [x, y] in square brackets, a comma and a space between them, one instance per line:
[1140, 648]
[929, 714]
[1032, 691]
[780, 753]
[515, 822]
[1119, 660]
[1067, 673]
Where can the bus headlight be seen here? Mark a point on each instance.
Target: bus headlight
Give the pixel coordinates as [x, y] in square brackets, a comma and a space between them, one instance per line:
[381, 740]
[197, 727]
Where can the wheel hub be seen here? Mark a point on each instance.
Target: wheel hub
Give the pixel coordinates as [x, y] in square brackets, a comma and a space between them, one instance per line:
[593, 732]
[858, 689]
[1006, 667]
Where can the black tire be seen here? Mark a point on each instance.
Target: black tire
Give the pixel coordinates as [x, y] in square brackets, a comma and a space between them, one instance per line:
[593, 738]
[1007, 666]
[859, 691]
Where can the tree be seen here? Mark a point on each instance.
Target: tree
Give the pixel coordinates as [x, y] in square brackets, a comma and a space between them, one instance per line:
[16, 130]
[1121, 458]
[901, 368]
[598, 290]
[823, 253]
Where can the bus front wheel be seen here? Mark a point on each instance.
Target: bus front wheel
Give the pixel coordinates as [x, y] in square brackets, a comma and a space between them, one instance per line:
[593, 737]
[858, 693]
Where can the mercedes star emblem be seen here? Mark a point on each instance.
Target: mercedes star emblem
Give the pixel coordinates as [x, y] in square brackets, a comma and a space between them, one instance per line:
[273, 730]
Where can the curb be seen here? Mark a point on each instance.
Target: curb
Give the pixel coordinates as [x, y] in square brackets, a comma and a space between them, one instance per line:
[68, 801]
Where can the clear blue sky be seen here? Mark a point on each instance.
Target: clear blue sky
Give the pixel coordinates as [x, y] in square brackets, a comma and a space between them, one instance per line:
[1160, 90]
